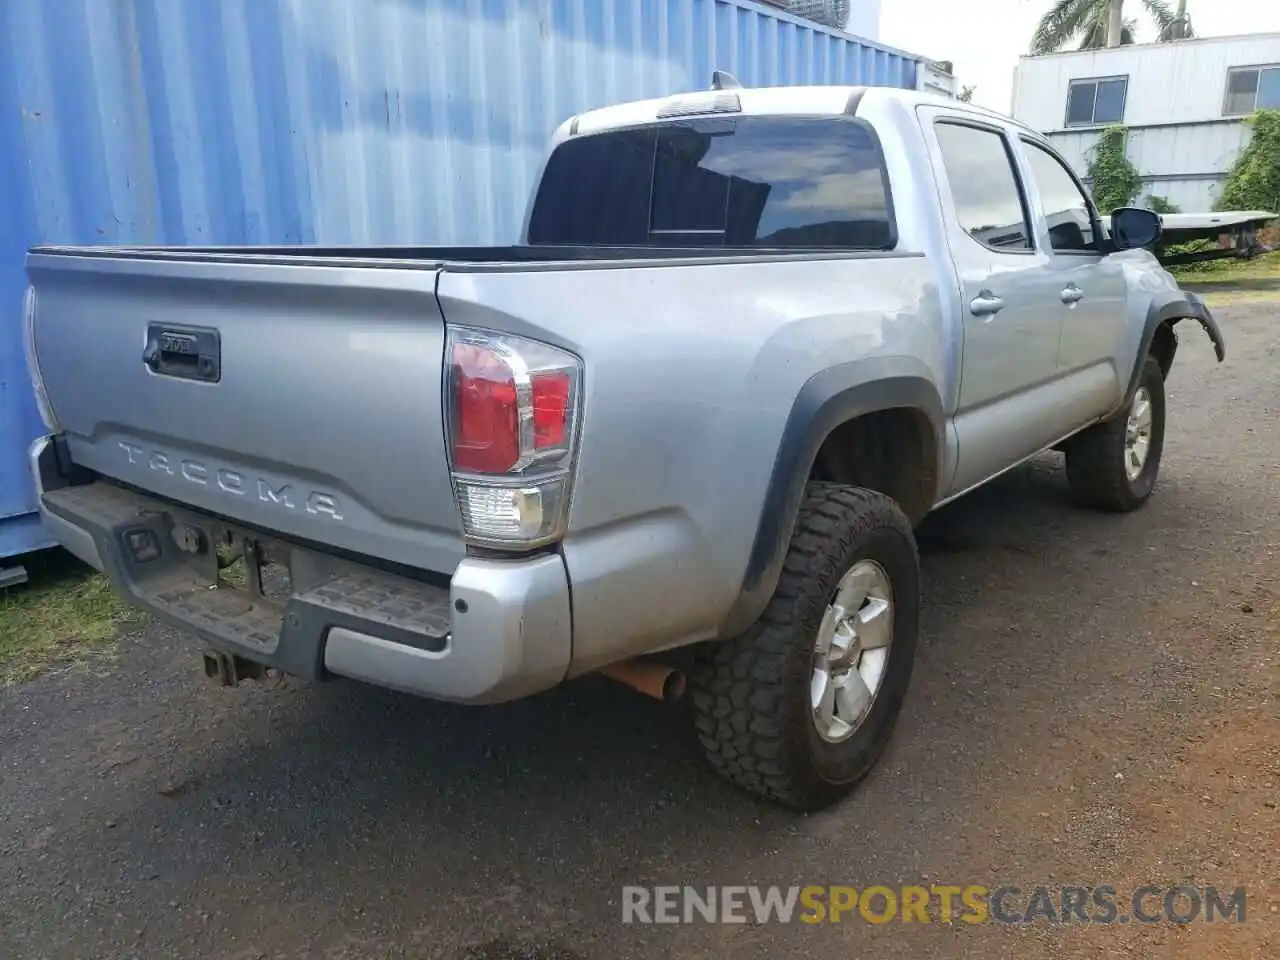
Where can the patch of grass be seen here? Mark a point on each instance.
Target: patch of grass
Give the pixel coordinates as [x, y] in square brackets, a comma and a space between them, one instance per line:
[64, 613]
[1228, 296]
[1265, 267]
[233, 571]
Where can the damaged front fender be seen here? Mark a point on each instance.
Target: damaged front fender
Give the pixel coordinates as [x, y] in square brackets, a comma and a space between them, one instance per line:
[1168, 309]
[1192, 307]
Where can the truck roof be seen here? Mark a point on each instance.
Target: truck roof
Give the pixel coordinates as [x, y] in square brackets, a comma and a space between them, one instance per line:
[762, 101]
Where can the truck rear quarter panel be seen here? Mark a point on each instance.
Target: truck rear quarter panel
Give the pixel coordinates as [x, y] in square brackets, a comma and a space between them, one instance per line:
[691, 372]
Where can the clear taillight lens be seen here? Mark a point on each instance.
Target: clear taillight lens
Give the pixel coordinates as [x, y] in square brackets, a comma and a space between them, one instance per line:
[512, 407]
[525, 514]
[33, 362]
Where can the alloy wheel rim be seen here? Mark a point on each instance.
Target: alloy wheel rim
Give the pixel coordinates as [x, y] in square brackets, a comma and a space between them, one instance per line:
[1137, 434]
[851, 652]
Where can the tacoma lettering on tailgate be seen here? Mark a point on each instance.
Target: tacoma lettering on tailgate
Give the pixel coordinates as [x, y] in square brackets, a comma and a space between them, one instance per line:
[235, 483]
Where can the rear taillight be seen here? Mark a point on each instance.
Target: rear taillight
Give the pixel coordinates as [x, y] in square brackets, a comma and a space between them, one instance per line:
[512, 408]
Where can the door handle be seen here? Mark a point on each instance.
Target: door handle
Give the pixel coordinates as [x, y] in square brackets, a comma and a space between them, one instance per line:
[985, 304]
[1072, 295]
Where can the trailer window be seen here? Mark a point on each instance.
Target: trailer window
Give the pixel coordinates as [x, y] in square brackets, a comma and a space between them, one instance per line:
[1252, 88]
[743, 182]
[1096, 101]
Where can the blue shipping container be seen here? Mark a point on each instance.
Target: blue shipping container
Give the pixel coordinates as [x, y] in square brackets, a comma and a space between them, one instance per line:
[335, 121]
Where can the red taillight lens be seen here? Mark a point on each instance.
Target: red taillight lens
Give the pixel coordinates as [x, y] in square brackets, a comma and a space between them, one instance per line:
[486, 434]
[550, 409]
[512, 403]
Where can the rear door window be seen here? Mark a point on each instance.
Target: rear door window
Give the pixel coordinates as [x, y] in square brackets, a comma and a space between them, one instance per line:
[984, 187]
[746, 182]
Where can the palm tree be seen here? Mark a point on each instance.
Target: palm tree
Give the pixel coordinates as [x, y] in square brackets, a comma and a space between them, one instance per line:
[1094, 23]
[1180, 28]
[1095, 35]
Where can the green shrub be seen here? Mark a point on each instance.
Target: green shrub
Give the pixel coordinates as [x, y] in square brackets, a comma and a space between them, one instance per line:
[1161, 205]
[1115, 181]
[1254, 180]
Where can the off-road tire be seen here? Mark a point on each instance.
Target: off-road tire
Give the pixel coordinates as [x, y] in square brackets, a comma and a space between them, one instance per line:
[751, 693]
[1095, 458]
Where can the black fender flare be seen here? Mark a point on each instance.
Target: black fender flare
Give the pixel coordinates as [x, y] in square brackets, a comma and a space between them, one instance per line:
[1170, 309]
[828, 399]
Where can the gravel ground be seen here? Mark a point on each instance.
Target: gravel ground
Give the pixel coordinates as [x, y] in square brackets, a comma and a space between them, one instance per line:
[1095, 702]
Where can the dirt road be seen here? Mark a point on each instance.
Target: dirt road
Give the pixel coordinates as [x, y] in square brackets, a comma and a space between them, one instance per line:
[1095, 703]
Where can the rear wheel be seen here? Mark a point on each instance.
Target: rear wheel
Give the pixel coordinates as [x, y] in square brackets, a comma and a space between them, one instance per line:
[799, 707]
[1114, 465]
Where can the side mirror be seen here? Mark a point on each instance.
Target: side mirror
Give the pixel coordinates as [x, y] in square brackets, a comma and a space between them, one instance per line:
[1133, 228]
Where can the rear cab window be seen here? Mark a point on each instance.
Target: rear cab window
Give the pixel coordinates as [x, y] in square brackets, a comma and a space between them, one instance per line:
[745, 182]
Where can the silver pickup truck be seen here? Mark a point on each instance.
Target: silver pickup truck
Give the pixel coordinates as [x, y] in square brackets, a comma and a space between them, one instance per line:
[680, 435]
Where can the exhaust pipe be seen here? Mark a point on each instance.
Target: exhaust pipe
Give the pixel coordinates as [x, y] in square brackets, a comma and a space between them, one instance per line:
[652, 679]
[228, 670]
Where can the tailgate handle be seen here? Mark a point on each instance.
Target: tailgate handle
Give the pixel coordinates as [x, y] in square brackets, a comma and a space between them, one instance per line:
[187, 353]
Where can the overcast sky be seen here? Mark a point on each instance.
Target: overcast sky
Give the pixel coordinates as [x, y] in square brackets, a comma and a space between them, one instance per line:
[984, 38]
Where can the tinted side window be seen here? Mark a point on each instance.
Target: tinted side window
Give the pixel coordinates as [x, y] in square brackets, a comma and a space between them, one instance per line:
[1065, 207]
[746, 182]
[983, 185]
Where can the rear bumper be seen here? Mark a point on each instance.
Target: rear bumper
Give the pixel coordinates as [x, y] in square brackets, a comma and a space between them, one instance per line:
[498, 631]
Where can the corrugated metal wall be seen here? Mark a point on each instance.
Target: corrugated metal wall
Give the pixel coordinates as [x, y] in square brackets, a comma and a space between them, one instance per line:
[1185, 164]
[1179, 139]
[337, 121]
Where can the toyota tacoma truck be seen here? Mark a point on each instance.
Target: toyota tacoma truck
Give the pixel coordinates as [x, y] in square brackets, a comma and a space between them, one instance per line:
[748, 340]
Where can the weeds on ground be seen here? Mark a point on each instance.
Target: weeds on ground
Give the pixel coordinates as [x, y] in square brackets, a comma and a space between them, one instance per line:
[1265, 267]
[63, 614]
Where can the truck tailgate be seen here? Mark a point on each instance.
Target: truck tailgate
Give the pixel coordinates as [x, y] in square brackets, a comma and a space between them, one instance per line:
[303, 399]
